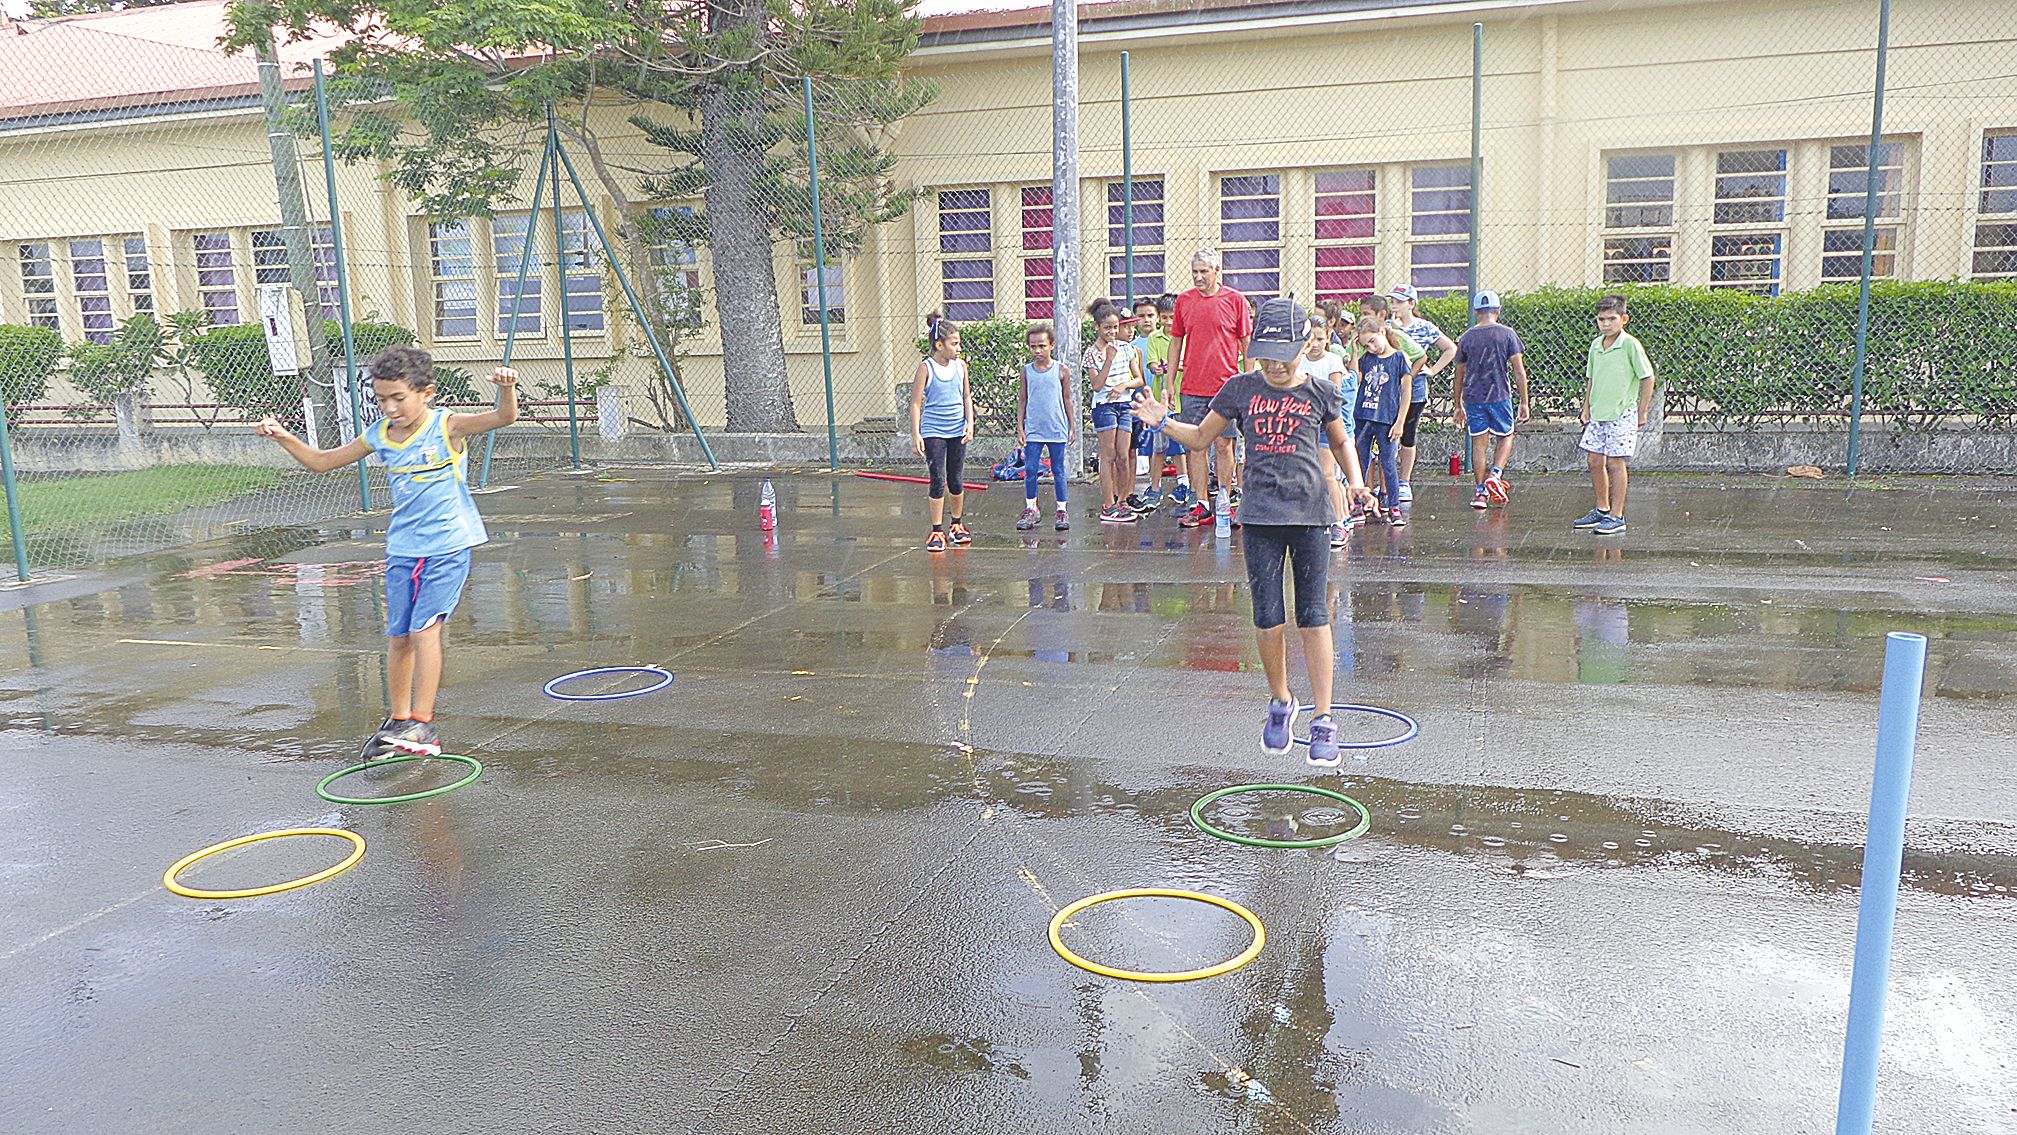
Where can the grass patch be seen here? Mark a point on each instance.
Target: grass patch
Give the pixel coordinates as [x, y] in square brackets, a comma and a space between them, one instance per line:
[102, 498]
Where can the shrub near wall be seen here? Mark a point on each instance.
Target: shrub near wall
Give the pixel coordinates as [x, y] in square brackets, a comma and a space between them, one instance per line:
[28, 356]
[1938, 351]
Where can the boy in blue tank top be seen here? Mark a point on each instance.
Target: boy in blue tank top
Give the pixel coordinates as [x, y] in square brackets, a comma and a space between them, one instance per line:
[434, 524]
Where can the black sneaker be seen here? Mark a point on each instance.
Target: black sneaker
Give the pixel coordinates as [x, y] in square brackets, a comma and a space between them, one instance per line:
[376, 746]
[415, 737]
[1135, 502]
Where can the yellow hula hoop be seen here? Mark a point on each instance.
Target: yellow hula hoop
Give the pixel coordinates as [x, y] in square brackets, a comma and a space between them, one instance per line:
[1247, 955]
[191, 859]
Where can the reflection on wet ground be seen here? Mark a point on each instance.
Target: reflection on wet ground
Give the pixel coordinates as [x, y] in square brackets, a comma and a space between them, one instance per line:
[996, 731]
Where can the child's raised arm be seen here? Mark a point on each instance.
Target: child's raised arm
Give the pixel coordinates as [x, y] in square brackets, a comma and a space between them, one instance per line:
[505, 413]
[312, 459]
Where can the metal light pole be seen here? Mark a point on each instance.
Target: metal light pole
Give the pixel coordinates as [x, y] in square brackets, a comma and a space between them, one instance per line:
[1128, 181]
[1065, 191]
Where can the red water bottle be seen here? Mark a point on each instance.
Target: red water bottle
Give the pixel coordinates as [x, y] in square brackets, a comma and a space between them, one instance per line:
[1456, 465]
[766, 510]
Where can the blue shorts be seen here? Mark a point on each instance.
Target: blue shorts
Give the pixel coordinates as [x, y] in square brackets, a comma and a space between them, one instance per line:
[424, 591]
[1112, 416]
[1495, 418]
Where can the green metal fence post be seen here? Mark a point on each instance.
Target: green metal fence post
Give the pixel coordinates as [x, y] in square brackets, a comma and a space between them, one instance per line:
[13, 495]
[1477, 147]
[566, 331]
[1873, 173]
[342, 280]
[819, 270]
[518, 295]
[636, 306]
[1127, 185]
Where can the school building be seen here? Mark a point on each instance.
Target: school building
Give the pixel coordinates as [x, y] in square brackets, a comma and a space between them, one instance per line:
[1323, 146]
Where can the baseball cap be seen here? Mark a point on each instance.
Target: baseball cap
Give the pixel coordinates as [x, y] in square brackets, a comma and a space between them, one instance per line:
[1280, 330]
[1402, 292]
[1485, 301]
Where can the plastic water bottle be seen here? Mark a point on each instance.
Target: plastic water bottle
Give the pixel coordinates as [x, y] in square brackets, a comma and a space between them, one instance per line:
[1222, 516]
[766, 510]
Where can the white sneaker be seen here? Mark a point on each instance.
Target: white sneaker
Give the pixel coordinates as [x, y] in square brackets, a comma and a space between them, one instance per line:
[1405, 493]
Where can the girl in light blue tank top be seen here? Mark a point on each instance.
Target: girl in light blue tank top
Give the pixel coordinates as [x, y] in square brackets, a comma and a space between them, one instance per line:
[941, 422]
[1045, 423]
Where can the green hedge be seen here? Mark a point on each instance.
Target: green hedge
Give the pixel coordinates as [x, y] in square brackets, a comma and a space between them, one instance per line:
[1937, 349]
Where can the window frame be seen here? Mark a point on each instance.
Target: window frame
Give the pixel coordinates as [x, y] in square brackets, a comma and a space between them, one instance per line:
[1151, 256]
[1321, 244]
[1233, 248]
[949, 253]
[1036, 253]
[1418, 240]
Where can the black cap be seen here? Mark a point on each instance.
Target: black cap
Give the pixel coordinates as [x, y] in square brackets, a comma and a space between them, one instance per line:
[1281, 328]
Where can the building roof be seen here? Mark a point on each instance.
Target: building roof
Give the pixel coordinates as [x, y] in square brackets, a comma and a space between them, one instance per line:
[165, 58]
[153, 59]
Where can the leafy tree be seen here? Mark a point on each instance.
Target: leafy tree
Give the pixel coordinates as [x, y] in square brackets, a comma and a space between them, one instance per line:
[714, 83]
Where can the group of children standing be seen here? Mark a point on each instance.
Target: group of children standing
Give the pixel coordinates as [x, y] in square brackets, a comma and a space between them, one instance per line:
[1327, 395]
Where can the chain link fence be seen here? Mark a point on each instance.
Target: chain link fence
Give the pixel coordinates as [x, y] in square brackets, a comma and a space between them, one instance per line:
[653, 294]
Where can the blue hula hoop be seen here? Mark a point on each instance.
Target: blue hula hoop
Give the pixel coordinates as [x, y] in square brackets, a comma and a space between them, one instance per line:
[1377, 711]
[664, 680]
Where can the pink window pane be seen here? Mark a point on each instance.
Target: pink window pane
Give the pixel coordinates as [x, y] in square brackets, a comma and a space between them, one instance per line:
[1344, 281]
[1345, 205]
[1344, 228]
[1350, 256]
[1037, 309]
[1037, 195]
[1035, 240]
[1345, 181]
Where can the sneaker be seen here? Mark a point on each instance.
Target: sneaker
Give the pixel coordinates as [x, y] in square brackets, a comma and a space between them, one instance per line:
[416, 737]
[1027, 520]
[1064, 522]
[1397, 518]
[958, 534]
[1182, 496]
[1610, 526]
[1324, 742]
[1405, 494]
[935, 542]
[375, 746]
[1339, 534]
[1497, 489]
[1169, 468]
[1212, 487]
[1152, 500]
[1117, 514]
[1233, 497]
[1481, 500]
[1135, 502]
[1197, 517]
[1356, 520]
[1278, 734]
[1591, 519]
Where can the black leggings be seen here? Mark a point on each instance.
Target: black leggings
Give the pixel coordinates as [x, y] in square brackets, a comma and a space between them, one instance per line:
[1414, 419]
[1308, 548]
[947, 458]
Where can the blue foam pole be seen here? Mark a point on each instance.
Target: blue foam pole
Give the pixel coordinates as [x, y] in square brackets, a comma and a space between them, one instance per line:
[1883, 857]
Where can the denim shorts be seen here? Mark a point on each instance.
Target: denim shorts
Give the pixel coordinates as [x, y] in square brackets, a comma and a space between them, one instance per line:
[1495, 418]
[1112, 416]
[422, 591]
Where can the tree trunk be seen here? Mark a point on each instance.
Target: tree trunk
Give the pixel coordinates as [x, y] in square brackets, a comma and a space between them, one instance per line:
[745, 282]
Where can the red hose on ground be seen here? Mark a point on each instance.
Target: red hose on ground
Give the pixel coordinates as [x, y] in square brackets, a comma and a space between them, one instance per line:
[971, 486]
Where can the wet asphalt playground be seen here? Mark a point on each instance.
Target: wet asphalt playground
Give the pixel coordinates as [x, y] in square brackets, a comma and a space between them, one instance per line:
[1610, 888]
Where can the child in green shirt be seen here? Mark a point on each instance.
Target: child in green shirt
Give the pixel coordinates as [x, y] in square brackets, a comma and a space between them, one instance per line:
[1616, 399]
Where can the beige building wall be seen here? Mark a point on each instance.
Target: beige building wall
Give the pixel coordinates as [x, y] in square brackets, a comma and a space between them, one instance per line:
[1289, 116]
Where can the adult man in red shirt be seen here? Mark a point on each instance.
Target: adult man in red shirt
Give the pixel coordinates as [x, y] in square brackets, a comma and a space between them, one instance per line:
[1208, 337]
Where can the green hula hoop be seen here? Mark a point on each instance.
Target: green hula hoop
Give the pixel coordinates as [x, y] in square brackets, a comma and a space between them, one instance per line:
[322, 789]
[1198, 816]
